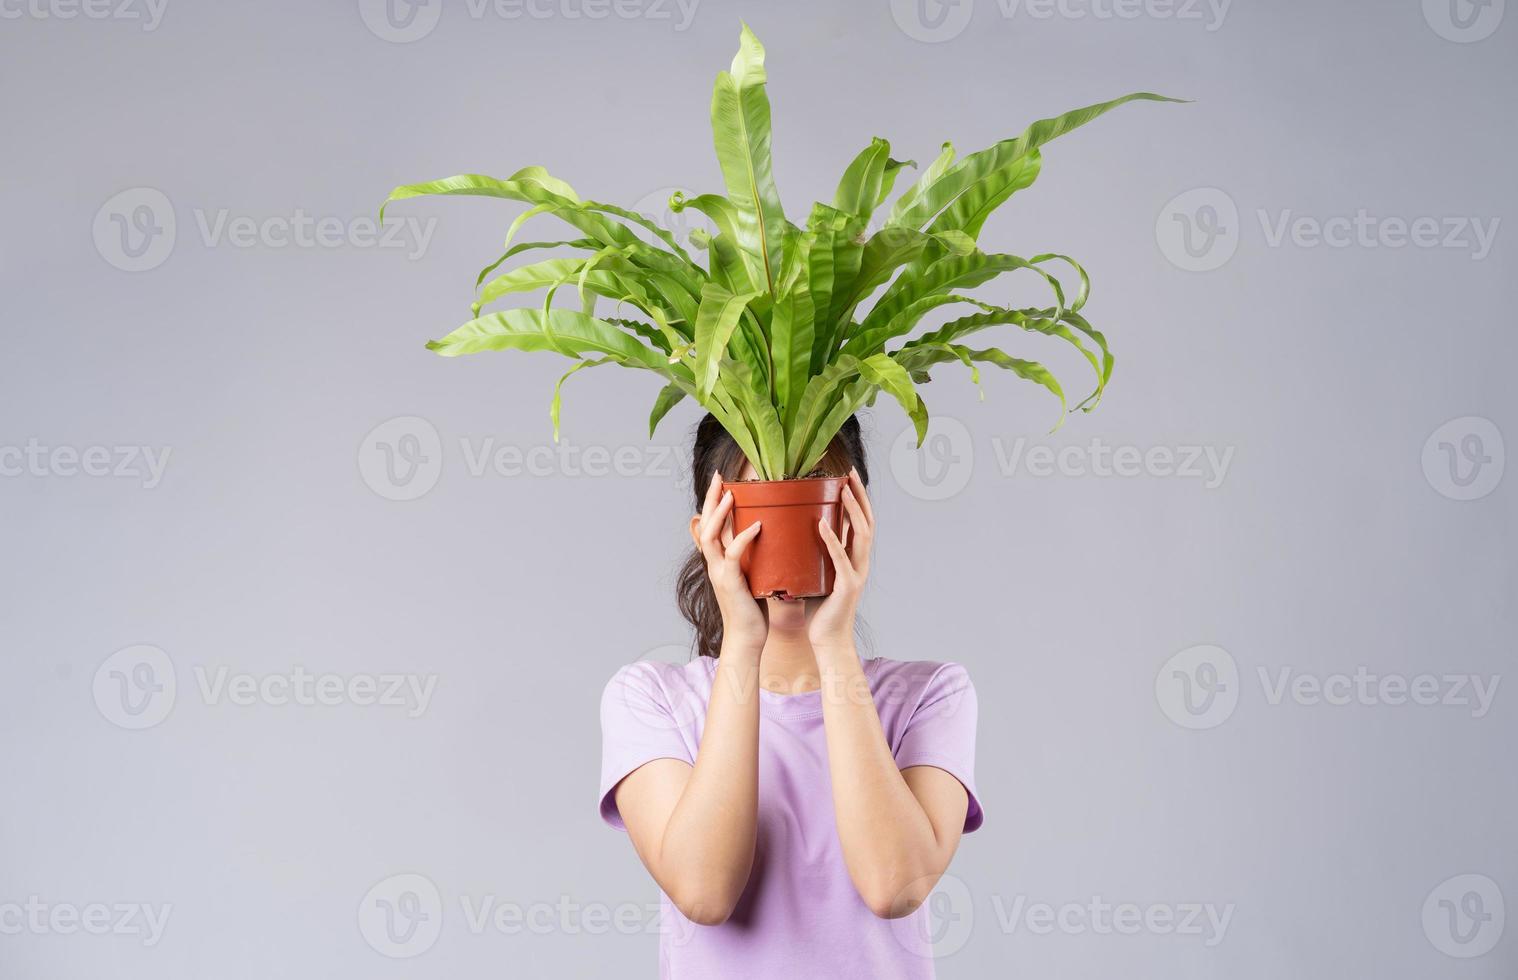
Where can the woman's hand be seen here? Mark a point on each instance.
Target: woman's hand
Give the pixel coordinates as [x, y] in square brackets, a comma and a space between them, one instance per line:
[832, 625]
[743, 620]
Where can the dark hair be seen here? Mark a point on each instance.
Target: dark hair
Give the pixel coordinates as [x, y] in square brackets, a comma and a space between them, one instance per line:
[715, 451]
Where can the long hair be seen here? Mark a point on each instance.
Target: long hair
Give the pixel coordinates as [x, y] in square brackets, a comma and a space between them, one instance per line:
[715, 451]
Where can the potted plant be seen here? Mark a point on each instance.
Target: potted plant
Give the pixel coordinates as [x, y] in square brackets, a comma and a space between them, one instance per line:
[777, 330]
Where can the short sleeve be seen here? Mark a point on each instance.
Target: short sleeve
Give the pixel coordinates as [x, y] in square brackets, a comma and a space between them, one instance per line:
[638, 725]
[941, 733]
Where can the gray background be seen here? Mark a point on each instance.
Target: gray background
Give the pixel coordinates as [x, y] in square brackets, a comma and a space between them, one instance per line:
[1335, 542]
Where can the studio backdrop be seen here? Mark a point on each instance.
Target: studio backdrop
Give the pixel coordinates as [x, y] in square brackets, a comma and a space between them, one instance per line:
[304, 628]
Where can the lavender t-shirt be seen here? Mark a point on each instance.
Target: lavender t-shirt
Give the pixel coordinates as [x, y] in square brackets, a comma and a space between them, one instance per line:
[799, 916]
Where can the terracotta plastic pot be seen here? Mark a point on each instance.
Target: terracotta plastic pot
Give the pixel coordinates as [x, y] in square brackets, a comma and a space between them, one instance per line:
[788, 558]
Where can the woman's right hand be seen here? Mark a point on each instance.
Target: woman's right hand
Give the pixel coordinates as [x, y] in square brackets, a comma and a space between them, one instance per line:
[743, 619]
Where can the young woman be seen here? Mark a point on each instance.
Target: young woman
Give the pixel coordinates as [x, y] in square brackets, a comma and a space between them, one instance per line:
[789, 798]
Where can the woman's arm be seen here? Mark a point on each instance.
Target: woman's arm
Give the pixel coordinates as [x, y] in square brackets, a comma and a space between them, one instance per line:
[899, 829]
[694, 827]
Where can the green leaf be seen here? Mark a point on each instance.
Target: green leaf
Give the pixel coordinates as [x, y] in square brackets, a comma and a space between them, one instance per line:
[929, 354]
[742, 270]
[893, 379]
[833, 262]
[933, 196]
[971, 209]
[742, 384]
[868, 180]
[792, 332]
[546, 274]
[553, 408]
[741, 134]
[716, 320]
[552, 330]
[929, 178]
[584, 243]
[669, 397]
[948, 273]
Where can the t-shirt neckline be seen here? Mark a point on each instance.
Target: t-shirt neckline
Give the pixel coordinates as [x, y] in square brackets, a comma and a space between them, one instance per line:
[805, 704]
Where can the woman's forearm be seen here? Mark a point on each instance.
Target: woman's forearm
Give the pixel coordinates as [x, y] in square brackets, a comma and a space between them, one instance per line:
[707, 849]
[890, 847]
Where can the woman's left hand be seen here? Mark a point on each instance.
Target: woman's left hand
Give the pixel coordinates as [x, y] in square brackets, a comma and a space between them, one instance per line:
[832, 625]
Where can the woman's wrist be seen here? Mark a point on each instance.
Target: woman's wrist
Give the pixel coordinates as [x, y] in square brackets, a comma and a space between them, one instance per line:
[833, 653]
[741, 649]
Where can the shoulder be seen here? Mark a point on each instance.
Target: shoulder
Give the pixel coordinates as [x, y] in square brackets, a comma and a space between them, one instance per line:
[658, 682]
[917, 682]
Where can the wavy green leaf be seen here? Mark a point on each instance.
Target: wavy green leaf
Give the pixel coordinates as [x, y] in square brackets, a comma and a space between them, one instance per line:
[741, 134]
[934, 196]
[669, 396]
[553, 330]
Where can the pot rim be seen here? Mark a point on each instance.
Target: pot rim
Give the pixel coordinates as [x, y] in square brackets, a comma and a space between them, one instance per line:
[792, 479]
